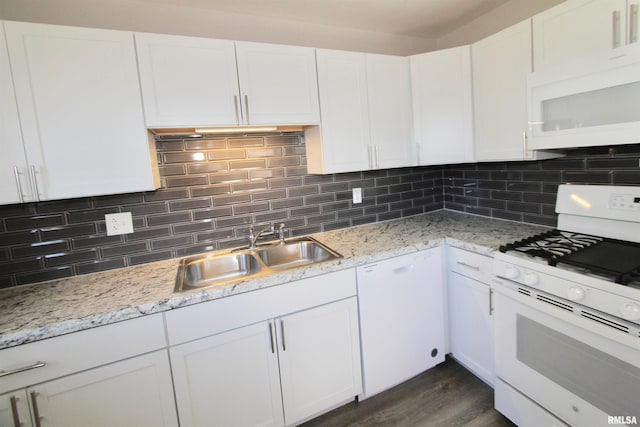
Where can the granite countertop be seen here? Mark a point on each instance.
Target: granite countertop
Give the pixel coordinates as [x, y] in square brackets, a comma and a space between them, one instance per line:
[35, 312]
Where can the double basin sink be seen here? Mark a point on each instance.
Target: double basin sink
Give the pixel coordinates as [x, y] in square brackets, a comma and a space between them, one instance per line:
[208, 270]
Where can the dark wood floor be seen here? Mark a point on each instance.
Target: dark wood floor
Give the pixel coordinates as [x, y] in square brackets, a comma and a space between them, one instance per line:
[447, 395]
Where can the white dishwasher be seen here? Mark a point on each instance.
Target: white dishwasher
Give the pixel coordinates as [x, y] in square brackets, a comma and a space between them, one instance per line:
[402, 324]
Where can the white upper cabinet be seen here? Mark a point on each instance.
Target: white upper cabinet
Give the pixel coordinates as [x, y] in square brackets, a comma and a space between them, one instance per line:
[198, 82]
[278, 84]
[389, 96]
[501, 64]
[14, 170]
[79, 104]
[365, 103]
[442, 106]
[341, 144]
[188, 80]
[578, 28]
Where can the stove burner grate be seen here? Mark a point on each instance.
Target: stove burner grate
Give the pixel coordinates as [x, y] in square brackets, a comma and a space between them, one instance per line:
[552, 245]
[614, 260]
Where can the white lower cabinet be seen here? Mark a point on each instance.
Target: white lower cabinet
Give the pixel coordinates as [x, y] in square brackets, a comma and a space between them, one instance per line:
[470, 312]
[136, 392]
[273, 357]
[319, 352]
[229, 379]
[114, 375]
[282, 370]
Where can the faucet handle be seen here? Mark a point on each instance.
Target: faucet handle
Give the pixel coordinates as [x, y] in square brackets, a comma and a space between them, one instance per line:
[281, 233]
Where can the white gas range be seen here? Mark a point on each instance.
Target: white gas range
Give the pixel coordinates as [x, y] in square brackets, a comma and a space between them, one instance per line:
[567, 309]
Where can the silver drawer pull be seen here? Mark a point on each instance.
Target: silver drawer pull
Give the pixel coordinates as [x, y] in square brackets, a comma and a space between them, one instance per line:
[24, 368]
[464, 264]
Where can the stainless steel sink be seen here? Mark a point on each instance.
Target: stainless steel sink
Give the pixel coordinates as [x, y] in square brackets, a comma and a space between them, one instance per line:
[295, 254]
[200, 271]
[208, 270]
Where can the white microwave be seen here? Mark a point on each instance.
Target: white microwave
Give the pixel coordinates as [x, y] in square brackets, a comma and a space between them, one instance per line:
[590, 102]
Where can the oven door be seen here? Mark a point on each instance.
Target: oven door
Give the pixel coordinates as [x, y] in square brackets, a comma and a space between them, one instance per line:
[585, 373]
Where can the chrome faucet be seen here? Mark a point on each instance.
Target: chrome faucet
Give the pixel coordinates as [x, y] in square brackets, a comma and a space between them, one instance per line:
[268, 231]
[253, 236]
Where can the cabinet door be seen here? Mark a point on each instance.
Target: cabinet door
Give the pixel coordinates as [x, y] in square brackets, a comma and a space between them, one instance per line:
[134, 392]
[471, 325]
[229, 379]
[79, 103]
[278, 84]
[14, 409]
[319, 359]
[389, 96]
[501, 63]
[442, 107]
[14, 170]
[577, 28]
[342, 142]
[188, 81]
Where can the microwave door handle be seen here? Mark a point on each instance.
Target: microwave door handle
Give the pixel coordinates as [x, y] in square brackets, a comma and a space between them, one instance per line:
[633, 23]
[615, 26]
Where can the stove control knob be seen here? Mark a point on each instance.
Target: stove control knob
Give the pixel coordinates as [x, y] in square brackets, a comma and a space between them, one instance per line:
[530, 278]
[575, 293]
[630, 311]
[511, 272]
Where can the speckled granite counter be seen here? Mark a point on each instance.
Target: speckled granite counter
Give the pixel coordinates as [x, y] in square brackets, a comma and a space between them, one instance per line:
[35, 312]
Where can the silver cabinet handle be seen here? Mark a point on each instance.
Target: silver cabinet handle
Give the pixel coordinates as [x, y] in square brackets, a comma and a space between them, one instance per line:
[24, 368]
[375, 152]
[35, 182]
[16, 174]
[284, 346]
[524, 145]
[490, 302]
[272, 337]
[14, 411]
[36, 410]
[615, 16]
[246, 109]
[633, 23]
[370, 156]
[235, 103]
[464, 264]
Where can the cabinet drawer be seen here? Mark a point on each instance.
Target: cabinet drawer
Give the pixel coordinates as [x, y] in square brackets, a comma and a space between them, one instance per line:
[201, 320]
[470, 264]
[82, 350]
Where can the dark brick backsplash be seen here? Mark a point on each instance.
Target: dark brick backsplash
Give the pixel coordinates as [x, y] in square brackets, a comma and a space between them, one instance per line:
[212, 190]
[206, 205]
[526, 191]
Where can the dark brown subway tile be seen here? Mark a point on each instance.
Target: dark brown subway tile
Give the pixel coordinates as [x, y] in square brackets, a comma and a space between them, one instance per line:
[205, 144]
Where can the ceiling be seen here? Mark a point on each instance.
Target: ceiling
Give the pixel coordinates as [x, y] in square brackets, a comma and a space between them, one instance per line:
[417, 18]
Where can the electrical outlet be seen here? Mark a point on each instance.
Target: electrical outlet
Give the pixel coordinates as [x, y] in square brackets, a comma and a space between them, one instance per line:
[118, 223]
[357, 195]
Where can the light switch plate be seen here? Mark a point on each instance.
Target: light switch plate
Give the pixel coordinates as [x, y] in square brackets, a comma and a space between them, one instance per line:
[119, 223]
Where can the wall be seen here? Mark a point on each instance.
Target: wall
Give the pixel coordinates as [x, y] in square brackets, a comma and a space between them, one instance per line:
[525, 191]
[204, 205]
[499, 19]
[166, 18]
[208, 204]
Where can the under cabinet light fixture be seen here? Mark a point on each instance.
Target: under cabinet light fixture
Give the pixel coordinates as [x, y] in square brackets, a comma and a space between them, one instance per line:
[236, 129]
